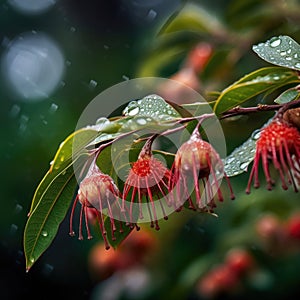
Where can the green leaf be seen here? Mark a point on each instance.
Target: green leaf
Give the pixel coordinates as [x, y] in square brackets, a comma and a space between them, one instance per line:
[241, 157]
[193, 18]
[43, 222]
[282, 51]
[152, 106]
[68, 150]
[253, 84]
[287, 96]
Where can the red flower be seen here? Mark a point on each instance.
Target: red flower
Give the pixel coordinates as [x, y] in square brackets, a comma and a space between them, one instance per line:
[97, 192]
[278, 143]
[148, 178]
[197, 161]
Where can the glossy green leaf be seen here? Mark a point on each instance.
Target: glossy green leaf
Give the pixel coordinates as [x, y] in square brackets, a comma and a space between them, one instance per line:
[192, 18]
[287, 96]
[241, 157]
[253, 84]
[152, 106]
[68, 150]
[43, 222]
[282, 51]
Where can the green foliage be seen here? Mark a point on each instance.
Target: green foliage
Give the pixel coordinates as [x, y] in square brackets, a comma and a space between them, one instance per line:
[253, 84]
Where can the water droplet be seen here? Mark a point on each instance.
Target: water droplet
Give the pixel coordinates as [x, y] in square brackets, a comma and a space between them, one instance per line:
[18, 208]
[151, 15]
[229, 160]
[141, 121]
[275, 42]
[93, 84]
[288, 58]
[244, 166]
[62, 158]
[13, 228]
[132, 109]
[125, 77]
[283, 53]
[32, 259]
[101, 123]
[53, 108]
[296, 55]
[44, 233]
[255, 134]
[297, 65]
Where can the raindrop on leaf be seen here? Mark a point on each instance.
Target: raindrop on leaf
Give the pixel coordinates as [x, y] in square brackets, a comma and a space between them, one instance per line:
[275, 42]
[44, 233]
[275, 51]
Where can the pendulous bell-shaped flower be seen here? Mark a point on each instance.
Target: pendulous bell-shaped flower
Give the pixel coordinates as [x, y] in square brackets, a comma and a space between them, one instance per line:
[278, 144]
[196, 162]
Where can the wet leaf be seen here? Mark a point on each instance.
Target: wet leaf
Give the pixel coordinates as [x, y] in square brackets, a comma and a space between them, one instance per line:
[152, 106]
[69, 150]
[241, 157]
[43, 222]
[253, 84]
[282, 51]
[287, 96]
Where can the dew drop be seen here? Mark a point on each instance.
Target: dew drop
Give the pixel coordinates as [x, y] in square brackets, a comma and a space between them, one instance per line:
[141, 121]
[297, 65]
[283, 53]
[288, 58]
[275, 42]
[125, 77]
[13, 228]
[44, 233]
[255, 134]
[244, 166]
[134, 111]
[93, 84]
[53, 108]
[31, 259]
[229, 160]
[18, 208]
[62, 158]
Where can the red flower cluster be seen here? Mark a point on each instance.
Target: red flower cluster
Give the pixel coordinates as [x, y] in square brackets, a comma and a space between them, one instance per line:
[151, 188]
[96, 192]
[147, 178]
[278, 143]
[197, 161]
